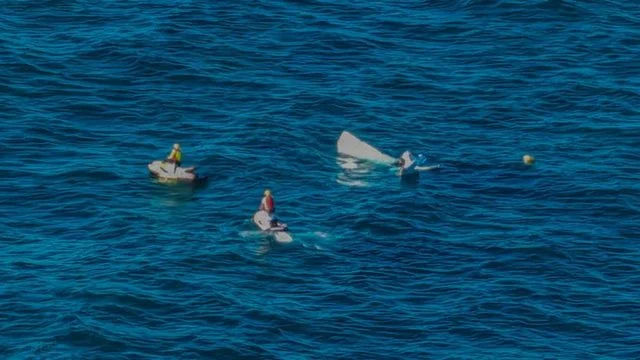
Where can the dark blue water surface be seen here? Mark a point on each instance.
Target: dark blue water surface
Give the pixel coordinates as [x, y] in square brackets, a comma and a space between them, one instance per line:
[485, 258]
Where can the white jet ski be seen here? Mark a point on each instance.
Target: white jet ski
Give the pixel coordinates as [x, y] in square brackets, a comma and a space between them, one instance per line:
[164, 170]
[350, 145]
[272, 226]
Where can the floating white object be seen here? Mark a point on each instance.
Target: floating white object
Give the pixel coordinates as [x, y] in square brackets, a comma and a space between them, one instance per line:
[350, 145]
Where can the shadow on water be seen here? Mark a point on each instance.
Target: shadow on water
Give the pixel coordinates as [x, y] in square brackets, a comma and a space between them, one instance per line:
[410, 181]
[266, 243]
[174, 193]
[201, 183]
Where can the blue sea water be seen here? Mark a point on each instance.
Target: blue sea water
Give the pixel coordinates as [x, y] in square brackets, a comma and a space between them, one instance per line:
[484, 258]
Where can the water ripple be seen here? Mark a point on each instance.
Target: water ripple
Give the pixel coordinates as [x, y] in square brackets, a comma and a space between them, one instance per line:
[483, 258]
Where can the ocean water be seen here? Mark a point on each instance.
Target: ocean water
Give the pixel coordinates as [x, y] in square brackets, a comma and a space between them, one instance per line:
[483, 258]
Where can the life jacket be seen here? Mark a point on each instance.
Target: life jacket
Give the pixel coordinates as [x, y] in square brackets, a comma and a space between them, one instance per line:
[175, 155]
[270, 203]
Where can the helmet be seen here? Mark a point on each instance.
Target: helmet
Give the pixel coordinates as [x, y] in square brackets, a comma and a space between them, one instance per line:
[267, 192]
[176, 146]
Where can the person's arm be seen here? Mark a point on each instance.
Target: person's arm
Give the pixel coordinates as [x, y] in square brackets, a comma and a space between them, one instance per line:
[427, 168]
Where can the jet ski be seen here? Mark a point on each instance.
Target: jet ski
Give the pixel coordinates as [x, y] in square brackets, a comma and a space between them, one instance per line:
[167, 171]
[272, 226]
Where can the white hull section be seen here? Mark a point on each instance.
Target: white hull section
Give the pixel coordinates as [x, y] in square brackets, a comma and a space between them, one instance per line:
[350, 145]
[168, 171]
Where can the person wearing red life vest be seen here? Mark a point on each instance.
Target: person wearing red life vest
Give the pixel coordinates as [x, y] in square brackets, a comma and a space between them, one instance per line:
[268, 205]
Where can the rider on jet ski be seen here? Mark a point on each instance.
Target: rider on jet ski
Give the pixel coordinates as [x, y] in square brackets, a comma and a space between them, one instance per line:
[268, 204]
[175, 157]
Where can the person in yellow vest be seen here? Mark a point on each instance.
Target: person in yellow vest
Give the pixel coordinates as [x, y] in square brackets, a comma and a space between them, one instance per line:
[175, 157]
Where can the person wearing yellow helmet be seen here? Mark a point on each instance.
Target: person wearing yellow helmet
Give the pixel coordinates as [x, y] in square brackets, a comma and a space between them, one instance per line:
[175, 157]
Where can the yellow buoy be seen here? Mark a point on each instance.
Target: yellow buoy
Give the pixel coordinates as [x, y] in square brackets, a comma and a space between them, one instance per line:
[528, 159]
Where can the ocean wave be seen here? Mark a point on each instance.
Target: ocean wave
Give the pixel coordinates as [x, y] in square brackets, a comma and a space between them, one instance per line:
[484, 258]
